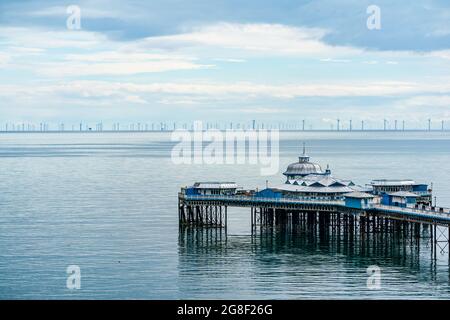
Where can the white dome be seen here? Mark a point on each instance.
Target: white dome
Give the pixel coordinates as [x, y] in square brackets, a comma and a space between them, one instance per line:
[303, 169]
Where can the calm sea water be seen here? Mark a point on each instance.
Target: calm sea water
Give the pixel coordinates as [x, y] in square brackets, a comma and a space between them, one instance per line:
[107, 202]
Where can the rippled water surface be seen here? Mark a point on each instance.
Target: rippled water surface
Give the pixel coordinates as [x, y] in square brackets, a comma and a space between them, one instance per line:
[107, 202]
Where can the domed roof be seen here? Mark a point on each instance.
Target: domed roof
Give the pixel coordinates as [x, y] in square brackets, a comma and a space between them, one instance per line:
[303, 167]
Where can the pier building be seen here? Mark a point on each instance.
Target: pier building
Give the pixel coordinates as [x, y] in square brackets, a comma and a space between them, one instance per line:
[389, 187]
[400, 199]
[307, 180]
[359, 200]
[212, 188]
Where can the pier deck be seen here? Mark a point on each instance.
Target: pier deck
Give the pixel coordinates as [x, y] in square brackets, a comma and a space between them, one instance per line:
[432, 224]
[427, 215]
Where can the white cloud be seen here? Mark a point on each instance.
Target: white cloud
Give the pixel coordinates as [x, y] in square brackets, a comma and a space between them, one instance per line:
[116, 68]
[269, 38]
[230, 60]
[118, 63]
[135, 99]
[443, 54]
[428, 101]
[185, 101]
[335, 60]
[73, 54]
[202, 90]
[46, 39]
[26, 50]
[96, 55]
[274, 40]
[277, 91]
[123, 56]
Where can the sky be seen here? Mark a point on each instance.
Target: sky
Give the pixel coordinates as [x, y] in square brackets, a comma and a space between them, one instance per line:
[221, 61]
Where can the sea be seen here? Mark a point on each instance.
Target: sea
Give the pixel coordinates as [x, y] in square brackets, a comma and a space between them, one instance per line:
[105, 203]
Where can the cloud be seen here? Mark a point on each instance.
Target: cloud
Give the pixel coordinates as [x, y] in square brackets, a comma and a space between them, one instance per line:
[428, 101]
[371, 62]
[129, 73]
[135, 99]
[4, 59]
[443, 54]
[230, 60]
[335, 60]
[94, 55]
[348, 89]
[185, 101]
[262, 110]
[86, 12]
[47, 39]
[264, 38]
[260, 39]
[169, 90]
[116, 68]
[118, 63]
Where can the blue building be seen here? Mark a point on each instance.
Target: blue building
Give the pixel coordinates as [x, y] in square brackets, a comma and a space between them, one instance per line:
[385, 187]
[400, 199]
[359, 200]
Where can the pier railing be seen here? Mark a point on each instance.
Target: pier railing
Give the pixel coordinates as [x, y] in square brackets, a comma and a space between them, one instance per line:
[439, 213]
[260, 199]
[427, 212]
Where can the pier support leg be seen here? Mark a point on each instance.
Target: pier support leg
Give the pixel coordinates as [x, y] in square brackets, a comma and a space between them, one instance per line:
[251, 218]
[226, 218]
[434, 241]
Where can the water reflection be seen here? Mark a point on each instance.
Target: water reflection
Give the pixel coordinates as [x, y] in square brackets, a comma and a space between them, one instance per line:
[333, 263]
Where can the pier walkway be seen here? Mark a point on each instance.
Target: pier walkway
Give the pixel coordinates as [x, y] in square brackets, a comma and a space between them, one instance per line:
[394, 222]
[426, 215]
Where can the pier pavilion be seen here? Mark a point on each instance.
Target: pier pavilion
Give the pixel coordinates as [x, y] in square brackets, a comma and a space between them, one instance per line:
[306, 180]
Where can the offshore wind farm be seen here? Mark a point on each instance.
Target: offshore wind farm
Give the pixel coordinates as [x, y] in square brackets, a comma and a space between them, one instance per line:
[303, 125]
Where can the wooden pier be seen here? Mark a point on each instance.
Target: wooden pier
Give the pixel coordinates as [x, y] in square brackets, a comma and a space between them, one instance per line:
[322, 218]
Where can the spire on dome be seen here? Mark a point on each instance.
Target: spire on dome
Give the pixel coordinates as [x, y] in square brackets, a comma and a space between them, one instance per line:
[303, 157]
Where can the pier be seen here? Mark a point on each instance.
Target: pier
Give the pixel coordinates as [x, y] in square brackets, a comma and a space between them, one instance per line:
[312, 201]
[321, 218]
